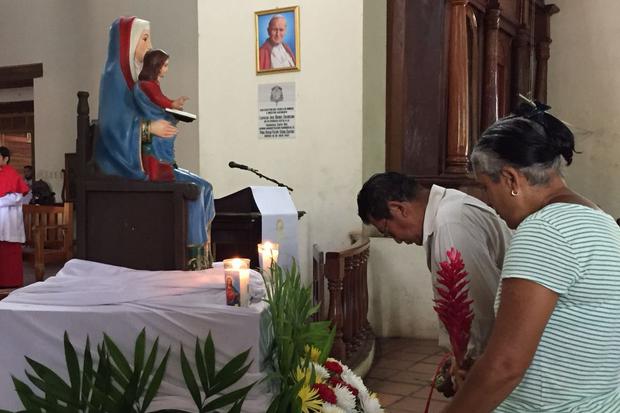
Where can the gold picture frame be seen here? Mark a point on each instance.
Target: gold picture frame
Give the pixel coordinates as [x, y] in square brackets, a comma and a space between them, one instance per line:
[286, 57]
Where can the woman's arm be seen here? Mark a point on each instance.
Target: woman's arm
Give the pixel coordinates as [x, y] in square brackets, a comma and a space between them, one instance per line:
[523, 313]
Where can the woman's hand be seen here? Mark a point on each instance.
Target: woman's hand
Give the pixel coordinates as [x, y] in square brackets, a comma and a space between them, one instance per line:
[162, 128]
[458, 375]
[179, 102]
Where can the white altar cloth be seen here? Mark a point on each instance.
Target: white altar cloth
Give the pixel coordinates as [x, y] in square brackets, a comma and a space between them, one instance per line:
[87, 298]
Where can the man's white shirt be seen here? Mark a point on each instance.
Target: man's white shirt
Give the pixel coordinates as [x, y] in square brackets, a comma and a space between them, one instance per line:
[455, 219]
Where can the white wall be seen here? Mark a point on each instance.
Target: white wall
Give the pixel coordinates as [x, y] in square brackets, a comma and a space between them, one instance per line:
[324, 162]
[70, 38]
[52, 36]
[400, 291]
[375, 43]
[584, 90]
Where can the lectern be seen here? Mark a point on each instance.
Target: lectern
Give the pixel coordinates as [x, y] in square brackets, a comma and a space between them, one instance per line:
[236, 229]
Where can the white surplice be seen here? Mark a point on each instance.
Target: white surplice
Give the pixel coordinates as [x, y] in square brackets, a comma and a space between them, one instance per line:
[12, 218]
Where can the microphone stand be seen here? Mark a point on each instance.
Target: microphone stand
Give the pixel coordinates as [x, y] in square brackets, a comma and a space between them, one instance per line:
[260, 175]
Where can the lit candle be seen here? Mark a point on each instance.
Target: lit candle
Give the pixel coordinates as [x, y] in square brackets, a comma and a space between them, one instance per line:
[268, 254]
[236, 277]
[244, 282]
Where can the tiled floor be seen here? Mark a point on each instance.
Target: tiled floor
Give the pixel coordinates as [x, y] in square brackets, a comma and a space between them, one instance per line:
[402, 372]
[50, 269]
[29, 277]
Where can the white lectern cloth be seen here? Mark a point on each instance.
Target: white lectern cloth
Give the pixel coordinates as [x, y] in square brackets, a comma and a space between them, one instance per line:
[87, 298]
[279, 221]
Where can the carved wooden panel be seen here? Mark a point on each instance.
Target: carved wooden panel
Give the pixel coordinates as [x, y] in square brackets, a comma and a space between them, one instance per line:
[455, 67]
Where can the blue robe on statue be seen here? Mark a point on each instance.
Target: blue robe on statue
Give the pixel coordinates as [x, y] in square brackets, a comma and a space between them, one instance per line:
[118, 149]
[163, 150]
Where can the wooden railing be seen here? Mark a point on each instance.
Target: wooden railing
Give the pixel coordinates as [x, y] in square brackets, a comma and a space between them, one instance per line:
[346, 299]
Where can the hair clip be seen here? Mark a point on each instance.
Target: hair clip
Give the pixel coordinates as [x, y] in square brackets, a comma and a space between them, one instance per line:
[533, 110]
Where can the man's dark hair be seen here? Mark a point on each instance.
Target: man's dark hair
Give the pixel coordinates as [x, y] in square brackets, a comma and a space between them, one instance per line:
[373, 198]
[5, 153]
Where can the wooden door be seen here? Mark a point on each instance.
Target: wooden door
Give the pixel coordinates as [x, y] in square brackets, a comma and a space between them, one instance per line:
[17, 134]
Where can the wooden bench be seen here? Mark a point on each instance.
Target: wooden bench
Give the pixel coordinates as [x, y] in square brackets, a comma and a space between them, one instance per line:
[49, 235]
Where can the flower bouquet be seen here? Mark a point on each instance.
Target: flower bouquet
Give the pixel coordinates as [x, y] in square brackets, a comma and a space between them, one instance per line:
[333, 388]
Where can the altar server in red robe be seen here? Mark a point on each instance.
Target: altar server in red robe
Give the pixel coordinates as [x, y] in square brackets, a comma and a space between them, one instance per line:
[13, 193]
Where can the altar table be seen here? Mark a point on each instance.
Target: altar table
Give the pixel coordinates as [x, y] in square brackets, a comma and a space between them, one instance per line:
[87, 298]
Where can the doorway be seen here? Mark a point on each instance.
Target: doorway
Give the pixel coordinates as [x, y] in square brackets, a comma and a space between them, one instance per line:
[17, 114]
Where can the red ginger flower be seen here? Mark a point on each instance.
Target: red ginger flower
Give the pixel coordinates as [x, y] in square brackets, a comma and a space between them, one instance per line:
[326, 393]
[453, 306]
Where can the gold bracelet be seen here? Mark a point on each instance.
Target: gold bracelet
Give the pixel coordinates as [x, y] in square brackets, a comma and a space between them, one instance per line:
[144, 131]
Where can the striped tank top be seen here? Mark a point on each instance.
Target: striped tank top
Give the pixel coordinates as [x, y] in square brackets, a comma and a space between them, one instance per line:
[574, 251]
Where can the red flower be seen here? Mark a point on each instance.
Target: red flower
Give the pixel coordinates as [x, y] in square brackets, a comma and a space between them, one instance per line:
[326, 393]
[453, 306]
[352, 389]
[333, 366]
[336, 380]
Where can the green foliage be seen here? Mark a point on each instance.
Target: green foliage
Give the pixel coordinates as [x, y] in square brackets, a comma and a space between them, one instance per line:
[113, 386]
[213, 382]
[291, 311]
[116, 385]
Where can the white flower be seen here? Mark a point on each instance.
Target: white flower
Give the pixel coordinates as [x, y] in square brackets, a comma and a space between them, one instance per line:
[330, 408]
[370, 404]
[354, 380]
[346, 399]
[321, 372]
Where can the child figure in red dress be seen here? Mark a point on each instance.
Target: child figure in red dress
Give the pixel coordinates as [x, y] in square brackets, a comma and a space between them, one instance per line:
[157, 155]
[13, 193]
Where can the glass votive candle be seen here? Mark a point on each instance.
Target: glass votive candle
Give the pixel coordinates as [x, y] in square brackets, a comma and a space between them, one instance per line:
[236, 281]
[267, 255]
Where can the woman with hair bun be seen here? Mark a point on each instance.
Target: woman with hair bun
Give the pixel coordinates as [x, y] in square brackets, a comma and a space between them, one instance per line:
[556, 339]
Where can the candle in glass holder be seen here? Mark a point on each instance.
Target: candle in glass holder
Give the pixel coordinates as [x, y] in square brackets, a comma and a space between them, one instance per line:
[236, 277]
[267, 254]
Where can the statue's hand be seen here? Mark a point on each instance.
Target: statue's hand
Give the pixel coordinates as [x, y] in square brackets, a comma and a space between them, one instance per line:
[179, 102]
[162, 128]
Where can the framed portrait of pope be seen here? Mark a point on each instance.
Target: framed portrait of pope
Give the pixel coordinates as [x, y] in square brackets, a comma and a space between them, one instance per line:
[277, 40]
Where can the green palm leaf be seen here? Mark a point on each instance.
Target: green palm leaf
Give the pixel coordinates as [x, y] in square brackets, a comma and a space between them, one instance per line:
[73, 367]
[190, 380]
[209, 353]
[150, 364]
[229, 398]
[200, 365]
[117, 357]
[155, 382]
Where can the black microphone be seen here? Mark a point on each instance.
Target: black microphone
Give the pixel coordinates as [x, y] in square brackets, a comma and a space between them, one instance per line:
[234, 164]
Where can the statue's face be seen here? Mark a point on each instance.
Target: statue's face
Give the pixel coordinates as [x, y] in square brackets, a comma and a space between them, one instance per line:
[164, 68]
[144, 44]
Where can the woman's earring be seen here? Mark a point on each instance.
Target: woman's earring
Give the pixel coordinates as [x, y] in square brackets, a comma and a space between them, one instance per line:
[514, 193]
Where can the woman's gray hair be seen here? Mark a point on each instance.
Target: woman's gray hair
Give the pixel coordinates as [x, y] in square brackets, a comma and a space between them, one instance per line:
[484, 160]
